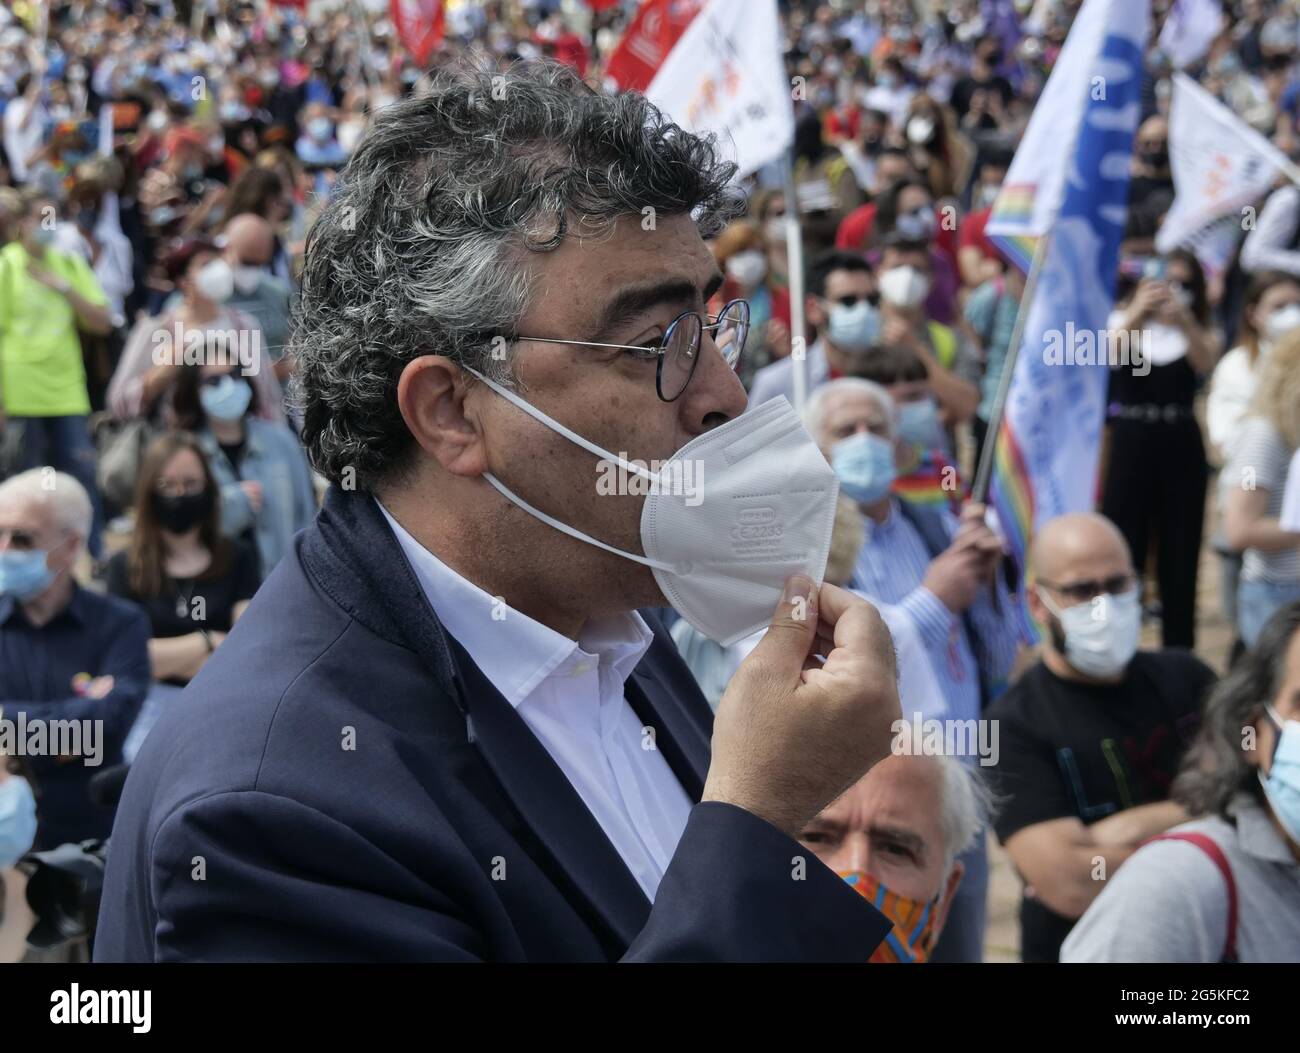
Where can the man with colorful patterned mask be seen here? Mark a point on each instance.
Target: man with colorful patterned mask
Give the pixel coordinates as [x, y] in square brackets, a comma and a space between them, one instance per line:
[895, 836]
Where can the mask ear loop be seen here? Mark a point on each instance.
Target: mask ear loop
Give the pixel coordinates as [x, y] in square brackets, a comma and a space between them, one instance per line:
[564, 528]
[556, 426]
[590, 447]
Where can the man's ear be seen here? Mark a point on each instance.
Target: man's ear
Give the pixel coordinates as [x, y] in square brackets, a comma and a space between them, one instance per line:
[431, 399]
[1036, 605]
[946, 898]
[812, 309]
[63, 556]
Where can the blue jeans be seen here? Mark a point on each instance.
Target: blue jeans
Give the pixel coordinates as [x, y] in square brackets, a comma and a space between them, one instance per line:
[64, 443]
[1257, 601]
[962, 939]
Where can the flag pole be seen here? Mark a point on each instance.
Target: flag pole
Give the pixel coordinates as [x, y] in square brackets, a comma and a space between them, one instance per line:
[794, 269]
[984, 472]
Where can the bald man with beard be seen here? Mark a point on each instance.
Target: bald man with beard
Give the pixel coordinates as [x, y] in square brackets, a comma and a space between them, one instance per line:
[1092, 734]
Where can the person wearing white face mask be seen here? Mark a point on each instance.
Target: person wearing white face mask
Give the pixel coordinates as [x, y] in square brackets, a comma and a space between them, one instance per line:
[151, 360]
[250, 246]
[742, 254]
[1226, 886]
[1257, 473]
[1092, 734]
[904, 279]
[474, 588]
[1270, 307]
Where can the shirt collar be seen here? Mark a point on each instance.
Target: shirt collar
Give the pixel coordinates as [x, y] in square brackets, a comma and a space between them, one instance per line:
[871, 528]
[76, 609]
[513, 651]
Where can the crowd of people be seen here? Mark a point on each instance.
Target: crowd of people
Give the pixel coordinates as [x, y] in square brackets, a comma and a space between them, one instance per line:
[211, 283]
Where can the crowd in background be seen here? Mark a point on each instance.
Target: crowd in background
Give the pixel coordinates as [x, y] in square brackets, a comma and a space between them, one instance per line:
[186, 208]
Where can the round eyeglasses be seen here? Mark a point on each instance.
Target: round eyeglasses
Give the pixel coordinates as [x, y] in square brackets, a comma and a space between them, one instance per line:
[679, 350]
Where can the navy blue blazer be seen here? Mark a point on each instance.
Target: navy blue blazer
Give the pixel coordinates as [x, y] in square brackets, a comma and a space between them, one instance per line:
[341, 782]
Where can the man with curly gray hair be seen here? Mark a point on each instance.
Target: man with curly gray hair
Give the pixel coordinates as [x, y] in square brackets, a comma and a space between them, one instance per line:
[443, 730]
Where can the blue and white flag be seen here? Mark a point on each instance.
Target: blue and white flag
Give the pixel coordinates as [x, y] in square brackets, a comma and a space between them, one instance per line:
[1075, 162]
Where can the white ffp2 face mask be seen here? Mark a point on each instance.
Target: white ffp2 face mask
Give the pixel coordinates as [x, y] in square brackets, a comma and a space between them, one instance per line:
[1100, 639]
[760, 507]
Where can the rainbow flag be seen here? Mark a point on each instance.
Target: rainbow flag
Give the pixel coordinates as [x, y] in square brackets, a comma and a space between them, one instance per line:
[1066, 184]
[1014, 209]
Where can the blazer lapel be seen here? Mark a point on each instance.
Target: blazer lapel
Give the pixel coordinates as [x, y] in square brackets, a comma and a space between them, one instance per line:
[354, 557]
[656, 691]
[568, 841]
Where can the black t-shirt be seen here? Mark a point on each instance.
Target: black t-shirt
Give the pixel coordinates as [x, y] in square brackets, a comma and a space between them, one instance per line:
[234, 451]
[173, 613]
[1088, 751]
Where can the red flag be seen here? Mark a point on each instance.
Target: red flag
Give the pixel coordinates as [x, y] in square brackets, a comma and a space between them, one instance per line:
[601, 5]
[656, 28]
[569, 49]
[420, 25]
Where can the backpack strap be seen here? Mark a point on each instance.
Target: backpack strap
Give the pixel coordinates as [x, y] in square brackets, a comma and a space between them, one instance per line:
[1211, 849]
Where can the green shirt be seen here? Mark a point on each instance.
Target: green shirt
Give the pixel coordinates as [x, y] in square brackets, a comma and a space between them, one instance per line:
[41, 369]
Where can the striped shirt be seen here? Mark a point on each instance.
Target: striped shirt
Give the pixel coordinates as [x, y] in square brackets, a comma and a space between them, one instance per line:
[1261, 457]
[891, 567]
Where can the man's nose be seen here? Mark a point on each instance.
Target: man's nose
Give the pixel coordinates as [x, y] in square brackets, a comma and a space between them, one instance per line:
[856, 852]
[715, 394]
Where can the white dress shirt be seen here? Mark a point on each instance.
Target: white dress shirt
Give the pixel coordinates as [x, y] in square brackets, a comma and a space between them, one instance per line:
[570, 693]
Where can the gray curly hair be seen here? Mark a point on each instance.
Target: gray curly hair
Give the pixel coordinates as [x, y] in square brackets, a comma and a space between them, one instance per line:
[423, 248]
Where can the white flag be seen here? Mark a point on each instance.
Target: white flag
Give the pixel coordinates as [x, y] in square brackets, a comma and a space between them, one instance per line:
[1035, 183]
[1190, 29]
[1219, 163]
[726, 75]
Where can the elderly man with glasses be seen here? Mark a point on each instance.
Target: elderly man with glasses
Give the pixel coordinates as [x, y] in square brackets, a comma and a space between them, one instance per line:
[74, 665]
[464, 740]
[1091, 736]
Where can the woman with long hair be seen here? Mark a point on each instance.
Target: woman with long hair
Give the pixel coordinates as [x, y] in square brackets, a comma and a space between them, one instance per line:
[1270, 307]
[191, 581]
[1256, 477]
[1226, 886]
[1156, 477]
[263, 478]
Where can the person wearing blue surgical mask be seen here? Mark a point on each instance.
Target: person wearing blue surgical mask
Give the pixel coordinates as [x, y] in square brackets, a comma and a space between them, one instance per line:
[935, 568]
[67, 654]
[17, 833]
[1226, 886]
[259, 466]
[926, 473]
[842, 303]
